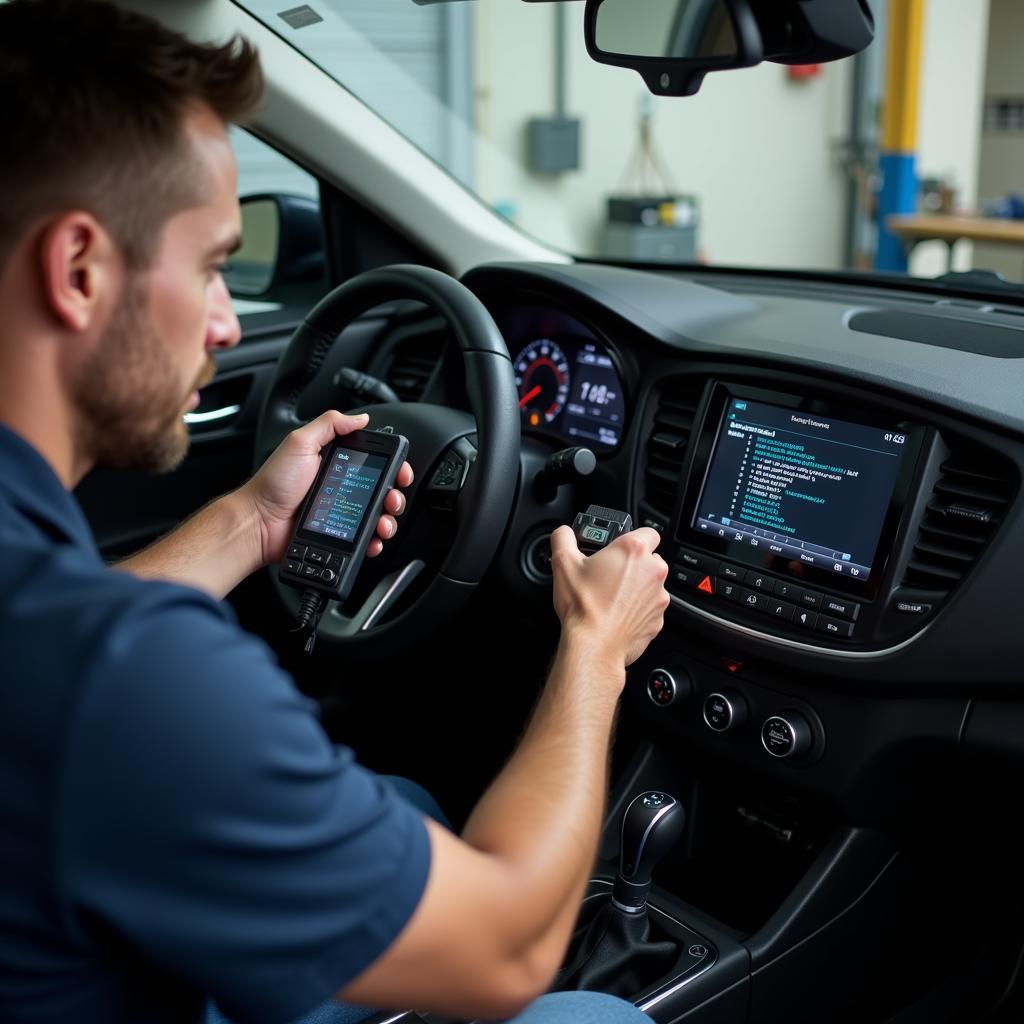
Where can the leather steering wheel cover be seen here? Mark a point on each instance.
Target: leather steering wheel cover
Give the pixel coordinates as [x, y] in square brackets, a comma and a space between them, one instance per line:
[490, 384]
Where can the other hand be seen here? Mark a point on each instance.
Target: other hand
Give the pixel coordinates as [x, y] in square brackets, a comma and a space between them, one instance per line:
[617, 595]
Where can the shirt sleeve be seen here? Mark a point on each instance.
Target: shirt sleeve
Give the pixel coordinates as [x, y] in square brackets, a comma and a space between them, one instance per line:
[206, 819]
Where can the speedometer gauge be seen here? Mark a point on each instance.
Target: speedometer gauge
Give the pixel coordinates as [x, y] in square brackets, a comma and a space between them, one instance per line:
[542, 379]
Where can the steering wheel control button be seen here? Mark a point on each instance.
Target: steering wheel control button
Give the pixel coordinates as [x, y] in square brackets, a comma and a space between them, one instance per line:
[724, 711]
[787, 735]
[840, 608]
[834, 627]
[447, 481]
[450, 475]
[730, 572]
[297, 551]
[666, 686]
[448, 472]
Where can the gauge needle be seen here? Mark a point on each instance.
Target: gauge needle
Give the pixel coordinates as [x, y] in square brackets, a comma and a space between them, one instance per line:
[533, 392]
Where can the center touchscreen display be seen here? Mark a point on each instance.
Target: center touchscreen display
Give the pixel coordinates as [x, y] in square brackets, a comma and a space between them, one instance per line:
[800, 486]
[345, 494]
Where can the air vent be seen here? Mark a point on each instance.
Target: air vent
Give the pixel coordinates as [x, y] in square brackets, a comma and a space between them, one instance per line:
[667, 445]
[413, 363]
[969, 501]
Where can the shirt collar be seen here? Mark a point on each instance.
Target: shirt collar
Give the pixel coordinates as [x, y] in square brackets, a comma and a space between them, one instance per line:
[29, 483]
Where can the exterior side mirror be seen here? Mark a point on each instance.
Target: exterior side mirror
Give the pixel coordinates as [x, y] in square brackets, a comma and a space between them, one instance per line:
[282, 247]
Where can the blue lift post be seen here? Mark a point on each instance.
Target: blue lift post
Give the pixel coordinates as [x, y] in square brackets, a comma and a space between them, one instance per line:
[899, 127]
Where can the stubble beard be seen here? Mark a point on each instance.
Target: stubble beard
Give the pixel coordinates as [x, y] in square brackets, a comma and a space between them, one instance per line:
[128, 395]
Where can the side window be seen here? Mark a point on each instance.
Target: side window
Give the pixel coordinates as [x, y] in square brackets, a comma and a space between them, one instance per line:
[280, 267]
[261, 169]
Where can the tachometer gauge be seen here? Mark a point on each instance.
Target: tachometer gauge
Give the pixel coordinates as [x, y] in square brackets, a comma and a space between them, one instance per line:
[542, 378]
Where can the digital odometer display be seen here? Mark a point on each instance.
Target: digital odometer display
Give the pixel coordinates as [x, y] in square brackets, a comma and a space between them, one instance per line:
[811, 489]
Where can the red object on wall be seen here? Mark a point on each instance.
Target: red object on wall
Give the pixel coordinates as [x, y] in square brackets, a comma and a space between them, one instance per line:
[802, 71]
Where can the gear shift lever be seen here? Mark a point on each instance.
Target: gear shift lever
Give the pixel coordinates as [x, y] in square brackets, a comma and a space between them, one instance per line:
[652, 824]
[614, 950]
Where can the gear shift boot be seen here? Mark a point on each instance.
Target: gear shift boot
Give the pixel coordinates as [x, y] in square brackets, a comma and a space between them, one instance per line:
[630, 954]
[615, 952]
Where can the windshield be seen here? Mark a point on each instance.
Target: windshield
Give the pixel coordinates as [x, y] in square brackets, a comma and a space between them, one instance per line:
[771, 167]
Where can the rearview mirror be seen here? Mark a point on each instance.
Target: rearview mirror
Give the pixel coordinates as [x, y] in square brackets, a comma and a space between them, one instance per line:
[673, 44]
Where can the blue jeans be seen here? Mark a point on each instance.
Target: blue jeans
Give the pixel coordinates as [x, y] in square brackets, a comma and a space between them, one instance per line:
[554, 1008]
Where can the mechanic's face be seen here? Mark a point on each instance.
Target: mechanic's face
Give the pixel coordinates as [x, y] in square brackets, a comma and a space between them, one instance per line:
[155, 354]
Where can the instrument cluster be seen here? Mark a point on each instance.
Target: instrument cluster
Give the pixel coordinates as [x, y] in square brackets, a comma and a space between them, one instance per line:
[567, 379]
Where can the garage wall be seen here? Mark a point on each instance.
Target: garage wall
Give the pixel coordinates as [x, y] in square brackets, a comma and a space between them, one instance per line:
[754, 146]
[949, 121]
[1001, 167]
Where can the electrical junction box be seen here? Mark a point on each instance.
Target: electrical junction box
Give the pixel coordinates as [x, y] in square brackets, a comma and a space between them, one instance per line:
[553, 144]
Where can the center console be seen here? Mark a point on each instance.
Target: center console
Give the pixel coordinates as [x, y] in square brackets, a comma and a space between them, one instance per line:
[793, 516]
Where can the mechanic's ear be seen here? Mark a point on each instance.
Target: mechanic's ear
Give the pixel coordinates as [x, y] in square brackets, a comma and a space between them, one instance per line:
[80, 264]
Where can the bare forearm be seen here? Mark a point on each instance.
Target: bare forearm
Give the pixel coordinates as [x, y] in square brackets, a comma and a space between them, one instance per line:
[213, 550]
[543, 814]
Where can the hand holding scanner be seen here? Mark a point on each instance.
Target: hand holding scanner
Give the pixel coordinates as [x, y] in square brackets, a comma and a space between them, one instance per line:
[341, 512]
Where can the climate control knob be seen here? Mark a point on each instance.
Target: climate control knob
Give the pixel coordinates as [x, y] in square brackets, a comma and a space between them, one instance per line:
[787, 735]
[724, 710]
[667, 685]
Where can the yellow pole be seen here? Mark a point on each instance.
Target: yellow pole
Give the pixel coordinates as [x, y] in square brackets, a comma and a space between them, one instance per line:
[899, 127]
[902, 76]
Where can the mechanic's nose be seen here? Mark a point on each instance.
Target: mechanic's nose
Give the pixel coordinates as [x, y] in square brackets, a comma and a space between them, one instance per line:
[222, 329]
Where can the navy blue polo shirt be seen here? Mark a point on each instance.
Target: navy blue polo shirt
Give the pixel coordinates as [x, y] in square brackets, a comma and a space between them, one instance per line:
[174, 823]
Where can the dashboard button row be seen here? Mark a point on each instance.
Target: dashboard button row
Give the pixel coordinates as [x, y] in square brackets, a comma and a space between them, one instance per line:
[780, 599]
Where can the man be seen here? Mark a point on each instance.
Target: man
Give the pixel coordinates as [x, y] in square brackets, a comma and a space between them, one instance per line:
[176, 825]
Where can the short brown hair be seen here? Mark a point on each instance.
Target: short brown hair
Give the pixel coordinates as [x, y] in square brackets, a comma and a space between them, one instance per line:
[92, 105]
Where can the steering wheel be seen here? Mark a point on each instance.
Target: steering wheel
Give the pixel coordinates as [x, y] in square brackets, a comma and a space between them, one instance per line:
[468, 462]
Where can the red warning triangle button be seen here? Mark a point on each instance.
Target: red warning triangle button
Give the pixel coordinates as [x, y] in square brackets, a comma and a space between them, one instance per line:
[706, 585]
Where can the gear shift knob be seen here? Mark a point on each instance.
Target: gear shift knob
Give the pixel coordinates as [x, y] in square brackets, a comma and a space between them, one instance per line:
[652, 824]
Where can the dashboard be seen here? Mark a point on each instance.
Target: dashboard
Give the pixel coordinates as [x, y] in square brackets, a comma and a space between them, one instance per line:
[835, 468]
